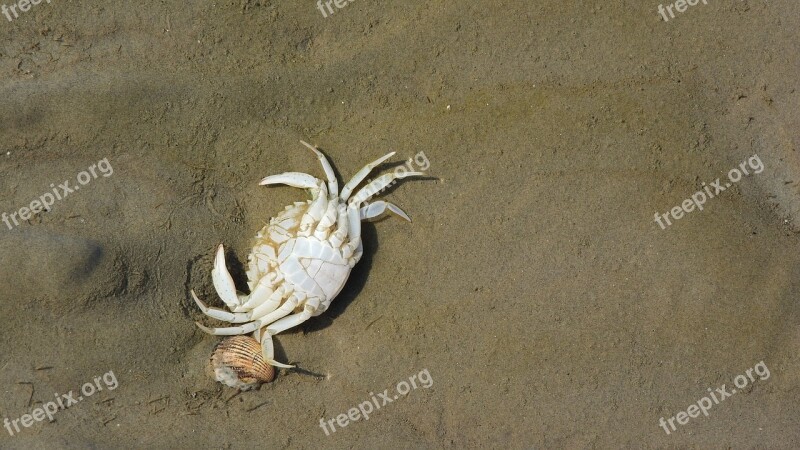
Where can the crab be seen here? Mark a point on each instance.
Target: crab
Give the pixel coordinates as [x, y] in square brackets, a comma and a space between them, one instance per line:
[302, 259]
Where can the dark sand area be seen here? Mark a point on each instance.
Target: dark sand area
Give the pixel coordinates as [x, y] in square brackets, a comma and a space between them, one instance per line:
[534, 287]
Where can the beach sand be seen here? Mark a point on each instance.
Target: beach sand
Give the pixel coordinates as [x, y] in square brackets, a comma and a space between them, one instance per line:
[534, 287]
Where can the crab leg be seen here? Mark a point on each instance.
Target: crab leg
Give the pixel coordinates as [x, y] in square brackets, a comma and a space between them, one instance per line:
[381, 182]
[299, 180]
[281, 312]
[261, 293]
[340, 234]
[353, 232]
[358, 252]
[282, 325]
[376, 209]
[333, 183]
[223, 282]
[315, 211]
[328, 219]
[360, 175]
[270, 305]
[294, 179]
[220, 314]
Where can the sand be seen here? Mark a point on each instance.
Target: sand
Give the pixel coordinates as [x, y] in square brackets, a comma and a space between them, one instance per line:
[534, 301]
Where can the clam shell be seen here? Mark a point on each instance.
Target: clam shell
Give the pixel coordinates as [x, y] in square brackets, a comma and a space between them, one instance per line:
[237, 362]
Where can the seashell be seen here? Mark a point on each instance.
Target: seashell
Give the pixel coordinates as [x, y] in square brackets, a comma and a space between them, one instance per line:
[237, 362]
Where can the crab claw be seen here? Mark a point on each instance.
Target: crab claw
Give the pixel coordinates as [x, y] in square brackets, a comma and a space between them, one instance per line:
[223, 282]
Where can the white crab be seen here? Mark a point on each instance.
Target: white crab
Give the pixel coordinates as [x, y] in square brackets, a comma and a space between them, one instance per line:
[302, 259]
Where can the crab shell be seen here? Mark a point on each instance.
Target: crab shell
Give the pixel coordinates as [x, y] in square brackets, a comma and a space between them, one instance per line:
[310, 264]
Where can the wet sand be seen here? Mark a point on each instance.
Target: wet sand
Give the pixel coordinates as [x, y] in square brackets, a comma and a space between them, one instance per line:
[547, 306]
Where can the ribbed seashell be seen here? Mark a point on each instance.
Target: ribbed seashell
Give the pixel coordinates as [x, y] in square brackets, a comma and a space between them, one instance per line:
[237, 362]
